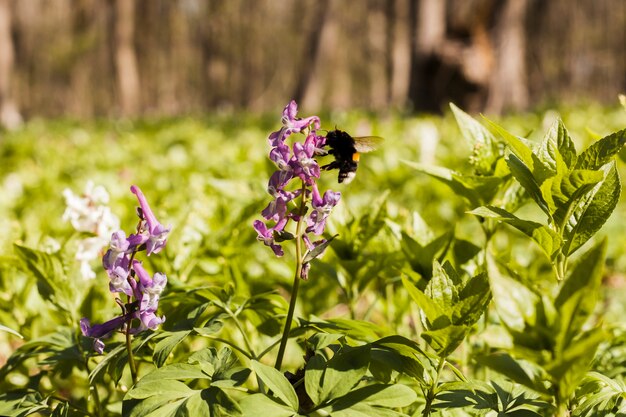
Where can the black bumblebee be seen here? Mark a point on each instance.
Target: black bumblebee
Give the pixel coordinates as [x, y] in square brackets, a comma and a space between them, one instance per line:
[346, 149]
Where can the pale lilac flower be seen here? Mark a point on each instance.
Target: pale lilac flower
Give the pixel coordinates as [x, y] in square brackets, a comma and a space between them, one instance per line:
[156, 237]
[322, 207]
[303, 164]
[266, 236]
[99, 331]
[292, 124]
[148, 292]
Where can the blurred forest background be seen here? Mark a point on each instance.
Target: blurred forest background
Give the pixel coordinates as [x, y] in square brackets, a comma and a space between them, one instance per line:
[129, 58]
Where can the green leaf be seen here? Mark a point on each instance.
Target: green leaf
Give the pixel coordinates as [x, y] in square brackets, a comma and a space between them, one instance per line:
[318, 250]
[400, 354]
[445, 340]
[506, 365]
[441, 288]
[167, 343]
[524, 176]
[593, 210]
[460, 187]
[313, 374]
[601, 152]
[578, 295]
[421, 257]
[21, 403]
[391, 396]
[277, 383]
[52, 282]
[485, 147]
[343, 372]
[569, 367]
[548, 240]
[9, 330]
[431, 309]
[523, 152]
[515, 303]
[364, 410]
[259, 405]
[474, 299]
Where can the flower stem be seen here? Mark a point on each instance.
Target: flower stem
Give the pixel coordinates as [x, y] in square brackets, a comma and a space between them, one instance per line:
[131, 358]
[296, 280]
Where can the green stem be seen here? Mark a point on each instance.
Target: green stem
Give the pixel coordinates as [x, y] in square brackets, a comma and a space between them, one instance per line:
[94, 388]
[430, 396]
[296, 281]
[243, 333]
[131, 357]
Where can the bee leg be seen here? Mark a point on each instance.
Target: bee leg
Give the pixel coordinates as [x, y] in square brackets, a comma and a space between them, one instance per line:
[332, 165]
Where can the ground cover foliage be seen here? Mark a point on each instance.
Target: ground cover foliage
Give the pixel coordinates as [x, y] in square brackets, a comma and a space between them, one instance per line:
[480, 276]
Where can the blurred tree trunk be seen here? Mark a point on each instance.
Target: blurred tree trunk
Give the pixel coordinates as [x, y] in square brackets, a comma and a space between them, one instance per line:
[508, 89]
[9, 114]
[377, 34]
[400, 52]
[125, 57]
[311, 53]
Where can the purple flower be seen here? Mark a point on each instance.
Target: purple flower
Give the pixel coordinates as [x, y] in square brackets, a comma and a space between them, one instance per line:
[98, 331]
[303, 164]
[292, 124]
[119, 280]
[281, 156]
[157, 233]
[266, 236]
[148, 292]
[322, 206]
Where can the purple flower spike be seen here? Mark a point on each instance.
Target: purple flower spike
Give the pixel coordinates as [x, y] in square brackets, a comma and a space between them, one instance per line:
[157, 237]
[266, 236]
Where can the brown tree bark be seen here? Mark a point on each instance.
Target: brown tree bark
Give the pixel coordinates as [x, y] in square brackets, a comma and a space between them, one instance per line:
[9, 114]
[400, 52]
[125, 57]
[508, 89]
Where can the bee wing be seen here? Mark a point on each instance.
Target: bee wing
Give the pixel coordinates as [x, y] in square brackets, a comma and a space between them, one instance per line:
[365, 144]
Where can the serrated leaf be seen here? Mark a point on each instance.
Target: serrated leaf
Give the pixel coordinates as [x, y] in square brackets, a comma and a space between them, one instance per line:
[431, 309]
[548, 240]
[601, 152]
[474, 299]
[445, 340]
[277, 383]
[421, 257]
[523, 152]
[441, 288]
[524, 176]
[592, 211]
[51, 279]
[485, 149]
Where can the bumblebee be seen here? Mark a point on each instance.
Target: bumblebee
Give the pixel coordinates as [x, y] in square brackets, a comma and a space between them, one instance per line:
[346, 150]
